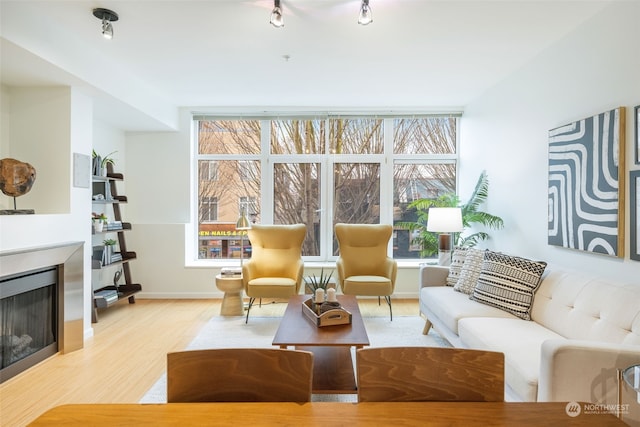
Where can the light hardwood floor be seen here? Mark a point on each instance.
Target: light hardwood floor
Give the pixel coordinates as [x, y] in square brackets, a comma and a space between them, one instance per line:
[127, 354]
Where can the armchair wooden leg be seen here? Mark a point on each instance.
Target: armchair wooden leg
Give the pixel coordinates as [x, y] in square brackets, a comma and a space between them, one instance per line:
[251, 300]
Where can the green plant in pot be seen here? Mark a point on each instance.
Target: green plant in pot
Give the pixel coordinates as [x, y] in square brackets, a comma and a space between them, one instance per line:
[99, 221]
[471, 214]
[314, 282]
[109, 246]
[100, 162]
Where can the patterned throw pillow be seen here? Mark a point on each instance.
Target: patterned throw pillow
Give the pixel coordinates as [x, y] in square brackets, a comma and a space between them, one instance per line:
[457, 259]
[509, 283]
[470, 271]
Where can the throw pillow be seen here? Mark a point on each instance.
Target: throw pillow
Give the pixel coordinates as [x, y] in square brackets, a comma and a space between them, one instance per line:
[509, 283]
[470, 271]
[457, 259]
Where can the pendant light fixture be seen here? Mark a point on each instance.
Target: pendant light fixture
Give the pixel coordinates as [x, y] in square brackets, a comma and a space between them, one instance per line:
[365, 17]
[276, 15]
[107, 16]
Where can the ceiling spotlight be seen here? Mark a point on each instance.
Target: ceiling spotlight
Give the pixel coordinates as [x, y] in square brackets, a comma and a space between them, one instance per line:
[107, 16]
[276, 15]
[365, 18]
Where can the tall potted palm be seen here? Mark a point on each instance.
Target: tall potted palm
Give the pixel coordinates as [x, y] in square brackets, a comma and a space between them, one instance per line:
[471, 214]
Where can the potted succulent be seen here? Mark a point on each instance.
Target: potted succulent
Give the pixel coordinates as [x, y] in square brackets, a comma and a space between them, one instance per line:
[108, 248]
[99, 221]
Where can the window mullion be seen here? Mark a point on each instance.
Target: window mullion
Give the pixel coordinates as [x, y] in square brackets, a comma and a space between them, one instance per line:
[266, 174]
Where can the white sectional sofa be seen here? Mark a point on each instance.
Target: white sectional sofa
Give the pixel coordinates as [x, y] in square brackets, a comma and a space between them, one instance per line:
[581, 330]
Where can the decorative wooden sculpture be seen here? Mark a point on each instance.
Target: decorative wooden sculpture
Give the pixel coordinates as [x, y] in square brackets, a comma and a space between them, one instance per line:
[16, 179]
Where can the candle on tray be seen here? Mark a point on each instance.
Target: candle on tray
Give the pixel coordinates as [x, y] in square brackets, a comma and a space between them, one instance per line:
[331, 295]
[319, 296]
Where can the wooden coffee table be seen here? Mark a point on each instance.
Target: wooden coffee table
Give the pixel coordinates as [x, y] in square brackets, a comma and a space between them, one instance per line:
[333, 370]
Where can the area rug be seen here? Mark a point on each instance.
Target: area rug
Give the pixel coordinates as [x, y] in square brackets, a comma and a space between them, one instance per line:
[232, 332]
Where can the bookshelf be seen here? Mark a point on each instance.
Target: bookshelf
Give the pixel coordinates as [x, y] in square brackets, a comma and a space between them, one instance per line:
[105, 199]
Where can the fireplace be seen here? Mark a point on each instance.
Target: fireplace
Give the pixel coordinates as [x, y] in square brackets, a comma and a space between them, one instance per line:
[41, 305]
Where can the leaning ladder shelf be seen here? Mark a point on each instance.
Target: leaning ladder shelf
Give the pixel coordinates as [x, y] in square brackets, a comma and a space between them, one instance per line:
[104, 296]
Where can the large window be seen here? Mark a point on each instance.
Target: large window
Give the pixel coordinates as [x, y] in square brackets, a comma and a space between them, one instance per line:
[318, 171]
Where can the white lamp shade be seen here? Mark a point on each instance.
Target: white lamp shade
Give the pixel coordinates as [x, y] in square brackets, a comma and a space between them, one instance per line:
[445, 220]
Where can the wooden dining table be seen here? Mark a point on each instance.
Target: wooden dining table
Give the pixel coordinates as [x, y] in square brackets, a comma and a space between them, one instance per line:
[329, 414]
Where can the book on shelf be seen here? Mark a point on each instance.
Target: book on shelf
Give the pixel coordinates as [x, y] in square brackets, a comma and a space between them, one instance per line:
[115, 225]
[98, 254]
[230, 272]
[109, 295]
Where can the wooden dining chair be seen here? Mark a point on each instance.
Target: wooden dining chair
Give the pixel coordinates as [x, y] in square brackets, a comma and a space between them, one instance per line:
[429, 374]
[239, 375]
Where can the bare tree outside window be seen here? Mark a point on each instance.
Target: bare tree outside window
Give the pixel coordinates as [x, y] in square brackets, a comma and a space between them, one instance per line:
[318, 159]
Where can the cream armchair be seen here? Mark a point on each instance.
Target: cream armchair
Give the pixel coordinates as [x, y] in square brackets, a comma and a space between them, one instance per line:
[275, 268]
[363, 265]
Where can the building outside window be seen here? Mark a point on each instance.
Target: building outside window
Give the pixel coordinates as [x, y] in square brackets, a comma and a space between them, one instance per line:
[319, 171]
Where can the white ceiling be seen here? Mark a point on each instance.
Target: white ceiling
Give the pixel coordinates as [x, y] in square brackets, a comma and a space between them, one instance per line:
[417, 54]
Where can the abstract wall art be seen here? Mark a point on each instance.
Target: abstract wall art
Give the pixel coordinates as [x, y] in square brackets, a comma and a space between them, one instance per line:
[637, 132]
[634, 191]
[586, 184]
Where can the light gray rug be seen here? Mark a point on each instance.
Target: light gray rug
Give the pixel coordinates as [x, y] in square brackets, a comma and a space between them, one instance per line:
[232, 332]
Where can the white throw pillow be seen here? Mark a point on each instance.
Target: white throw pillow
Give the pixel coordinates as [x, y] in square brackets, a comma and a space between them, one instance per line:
[457, 259]
[470, 271]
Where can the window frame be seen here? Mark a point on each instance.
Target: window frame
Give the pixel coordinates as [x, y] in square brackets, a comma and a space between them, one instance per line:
[387, 161]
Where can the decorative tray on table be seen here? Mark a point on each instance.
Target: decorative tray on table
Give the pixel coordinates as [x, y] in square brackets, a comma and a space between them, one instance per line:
[334, 316]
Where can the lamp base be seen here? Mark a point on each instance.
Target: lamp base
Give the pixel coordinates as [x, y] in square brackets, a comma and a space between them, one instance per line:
[444, 258]
[444, 249]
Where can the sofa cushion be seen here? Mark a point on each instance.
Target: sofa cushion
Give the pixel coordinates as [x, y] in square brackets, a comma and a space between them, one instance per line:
[520, 341]
[509, 283]
[470, 271]
[449, 306]
[584, 307]
[457, 260]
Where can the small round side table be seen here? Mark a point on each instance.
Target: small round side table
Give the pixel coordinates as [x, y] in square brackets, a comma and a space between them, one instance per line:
[232, 300]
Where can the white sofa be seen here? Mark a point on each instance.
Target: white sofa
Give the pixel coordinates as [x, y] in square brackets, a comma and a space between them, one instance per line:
[582, 330]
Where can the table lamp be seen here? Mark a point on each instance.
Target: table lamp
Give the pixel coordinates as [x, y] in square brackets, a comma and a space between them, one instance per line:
[241, 225]
[444, 221]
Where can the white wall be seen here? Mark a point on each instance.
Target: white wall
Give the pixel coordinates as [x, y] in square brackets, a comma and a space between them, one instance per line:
[593, 69]
[39, 124]
[62, 128]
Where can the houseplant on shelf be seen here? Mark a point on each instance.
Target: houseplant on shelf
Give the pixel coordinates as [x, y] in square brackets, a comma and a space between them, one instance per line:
[100, 163]
[109, 245]
[428, 241]
[99, 222]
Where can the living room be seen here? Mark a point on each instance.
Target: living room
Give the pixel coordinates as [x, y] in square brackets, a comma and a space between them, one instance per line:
[588, 67]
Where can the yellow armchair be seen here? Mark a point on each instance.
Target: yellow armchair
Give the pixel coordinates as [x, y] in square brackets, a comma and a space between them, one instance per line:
[275, 268]
[363, 265]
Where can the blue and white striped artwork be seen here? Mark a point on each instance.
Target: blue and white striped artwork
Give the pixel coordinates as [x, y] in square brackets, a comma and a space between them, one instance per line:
[585, 184]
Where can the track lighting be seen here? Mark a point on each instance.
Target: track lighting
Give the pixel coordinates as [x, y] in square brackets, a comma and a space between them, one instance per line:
[107, 16]
[365, 18]
[276, 15]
